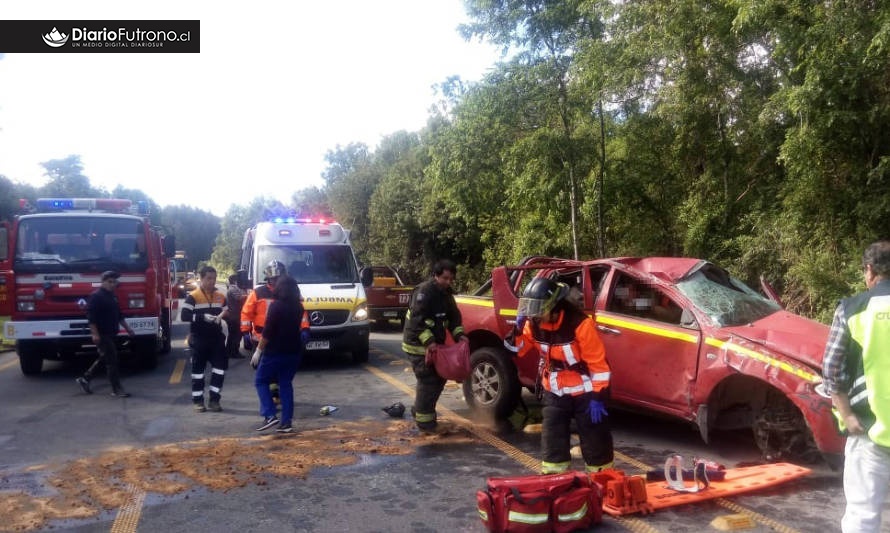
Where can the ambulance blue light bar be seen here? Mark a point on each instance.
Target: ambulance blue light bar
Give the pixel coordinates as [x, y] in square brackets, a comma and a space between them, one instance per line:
[89, 204]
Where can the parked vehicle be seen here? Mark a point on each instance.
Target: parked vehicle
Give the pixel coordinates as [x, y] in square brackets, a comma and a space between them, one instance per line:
[318, 254]
[683, 338]
[184, 281]
[388, 296]
[51, 260]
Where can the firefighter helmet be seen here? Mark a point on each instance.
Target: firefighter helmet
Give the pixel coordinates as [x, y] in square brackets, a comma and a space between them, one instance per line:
[396, 410]
[540, 297]
[274, 269]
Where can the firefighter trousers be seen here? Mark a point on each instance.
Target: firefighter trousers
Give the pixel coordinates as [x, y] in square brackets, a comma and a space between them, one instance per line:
[596, 438]
[213, 352]
[429, 387]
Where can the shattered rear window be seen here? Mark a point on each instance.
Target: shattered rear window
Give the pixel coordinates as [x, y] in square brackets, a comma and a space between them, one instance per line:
[726, 300]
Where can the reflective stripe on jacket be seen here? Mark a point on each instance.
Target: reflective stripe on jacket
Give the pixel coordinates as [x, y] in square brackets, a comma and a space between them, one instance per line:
[574, 357]
[253, 313]
[431, 313]
[197, 304]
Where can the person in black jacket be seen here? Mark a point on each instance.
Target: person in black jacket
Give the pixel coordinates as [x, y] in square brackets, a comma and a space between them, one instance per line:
[105, 320]
[432, 313]
[278, 354]
[205, 309]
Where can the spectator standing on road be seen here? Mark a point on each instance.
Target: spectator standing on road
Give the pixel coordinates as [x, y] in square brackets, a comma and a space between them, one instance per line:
[574, 375]
[432, 312]
[105, 320]
[253, 312]
[279, 352]
[205, 309]
[856, 372]
[235, 300]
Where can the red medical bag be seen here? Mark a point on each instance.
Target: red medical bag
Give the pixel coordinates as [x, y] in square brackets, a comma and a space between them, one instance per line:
[530, 504]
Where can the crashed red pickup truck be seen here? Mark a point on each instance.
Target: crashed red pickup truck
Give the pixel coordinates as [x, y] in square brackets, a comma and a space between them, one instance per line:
[683, 338]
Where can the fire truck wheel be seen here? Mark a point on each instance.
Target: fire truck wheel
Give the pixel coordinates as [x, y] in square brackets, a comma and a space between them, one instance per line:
[493, 387]
[166, 332]
[30, 357]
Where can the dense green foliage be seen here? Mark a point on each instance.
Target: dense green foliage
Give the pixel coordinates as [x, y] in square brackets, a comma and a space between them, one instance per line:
[748, 132]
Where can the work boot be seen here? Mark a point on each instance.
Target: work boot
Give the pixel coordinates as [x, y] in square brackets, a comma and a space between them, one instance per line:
[120, 393]
[84, 385]
[427, 427]
[200, 407]
[214, 406]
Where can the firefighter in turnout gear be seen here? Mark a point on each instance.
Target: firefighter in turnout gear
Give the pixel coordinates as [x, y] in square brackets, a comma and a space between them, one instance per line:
[205, 309]
[253, 312]
[574, 375]
[431, 314]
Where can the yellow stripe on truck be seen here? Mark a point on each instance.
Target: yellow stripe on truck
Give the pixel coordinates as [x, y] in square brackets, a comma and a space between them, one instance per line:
[757, 356]
[481, 302]
[636, 326]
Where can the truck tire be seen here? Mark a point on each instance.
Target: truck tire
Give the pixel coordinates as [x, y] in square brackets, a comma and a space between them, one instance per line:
[166, 332]
[30, 357]
[493, 387]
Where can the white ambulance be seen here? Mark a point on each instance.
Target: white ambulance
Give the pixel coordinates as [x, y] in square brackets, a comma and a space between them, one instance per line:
[318, 254]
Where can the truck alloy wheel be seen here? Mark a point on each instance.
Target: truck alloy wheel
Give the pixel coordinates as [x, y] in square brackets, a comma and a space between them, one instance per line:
[493, 386]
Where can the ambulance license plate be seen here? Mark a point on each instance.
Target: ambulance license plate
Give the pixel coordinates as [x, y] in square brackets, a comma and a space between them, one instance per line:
[318, 345]
[390, 313]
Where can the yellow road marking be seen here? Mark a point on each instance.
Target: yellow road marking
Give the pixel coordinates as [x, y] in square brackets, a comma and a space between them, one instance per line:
[176, 376]
[632, 524]
[128, 515]
[526, 460]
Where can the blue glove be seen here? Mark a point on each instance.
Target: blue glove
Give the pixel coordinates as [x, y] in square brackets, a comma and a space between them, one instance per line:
[248, 344]
[305, 336]
[597, 411]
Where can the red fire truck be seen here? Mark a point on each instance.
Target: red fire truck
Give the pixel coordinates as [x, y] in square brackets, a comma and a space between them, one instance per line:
[51, 259]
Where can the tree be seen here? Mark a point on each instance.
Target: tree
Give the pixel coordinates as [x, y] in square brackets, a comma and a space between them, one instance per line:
[66, 178]
[545, 34]
[226, 256]
[351, 180]
[195, 231]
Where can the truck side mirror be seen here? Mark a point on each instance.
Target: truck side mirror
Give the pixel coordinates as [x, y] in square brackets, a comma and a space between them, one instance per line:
[367, 276]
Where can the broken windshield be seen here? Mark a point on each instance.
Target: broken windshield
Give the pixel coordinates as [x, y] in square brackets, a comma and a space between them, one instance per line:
[726, 300]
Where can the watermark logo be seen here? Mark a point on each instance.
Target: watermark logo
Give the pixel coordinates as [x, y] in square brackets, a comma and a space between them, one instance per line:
[100, 36]
[55, 38]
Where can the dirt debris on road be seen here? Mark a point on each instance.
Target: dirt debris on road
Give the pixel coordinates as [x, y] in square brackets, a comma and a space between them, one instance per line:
[84, 488]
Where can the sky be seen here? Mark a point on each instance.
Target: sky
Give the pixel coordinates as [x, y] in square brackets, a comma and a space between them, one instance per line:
[276, 86]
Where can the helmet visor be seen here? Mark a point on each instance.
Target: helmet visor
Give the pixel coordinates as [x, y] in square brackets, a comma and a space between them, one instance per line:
[534, 307]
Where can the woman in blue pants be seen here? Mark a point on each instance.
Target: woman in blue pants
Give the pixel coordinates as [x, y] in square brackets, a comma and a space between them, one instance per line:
[279, 352]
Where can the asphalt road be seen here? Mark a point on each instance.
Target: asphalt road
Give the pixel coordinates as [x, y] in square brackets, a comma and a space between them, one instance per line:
[390, 477]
